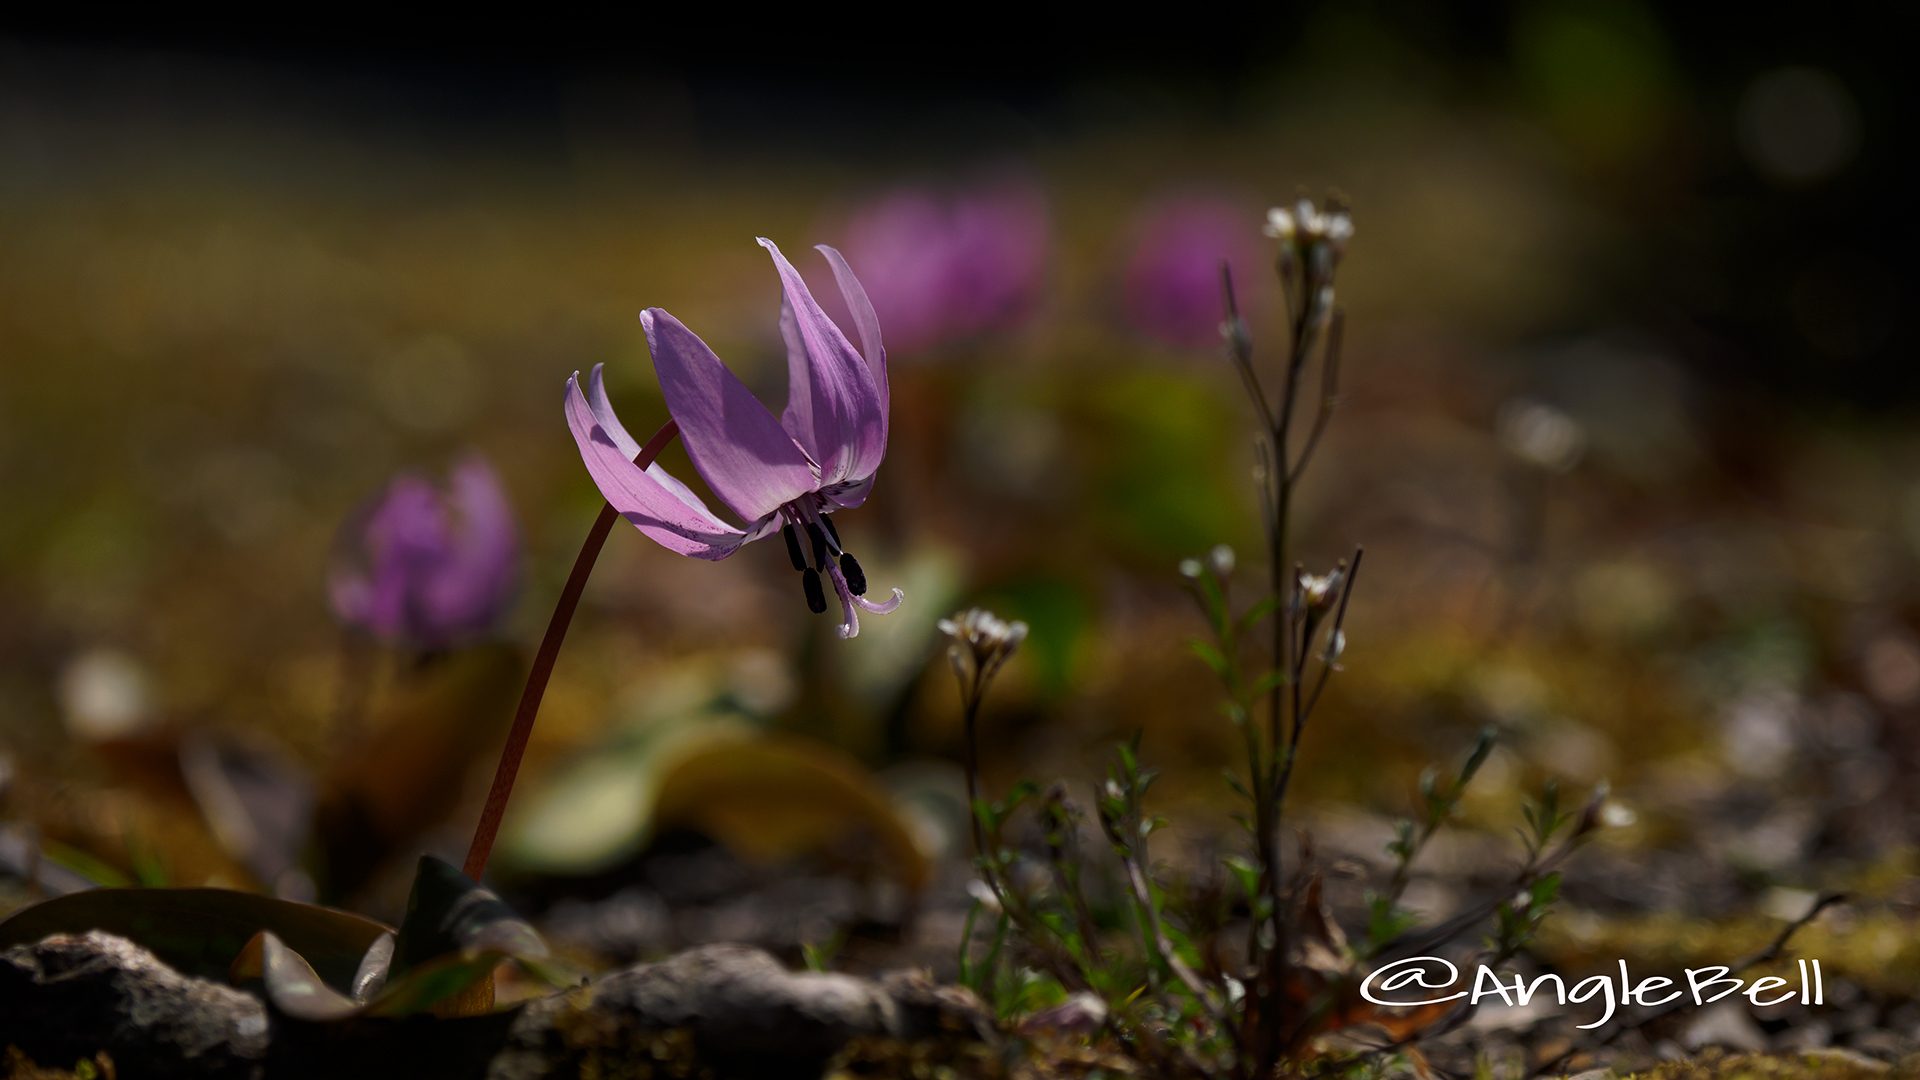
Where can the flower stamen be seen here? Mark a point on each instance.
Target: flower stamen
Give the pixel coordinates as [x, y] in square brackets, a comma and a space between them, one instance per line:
[793, 547]
[856, 577]
[830, 561]
[819, 538]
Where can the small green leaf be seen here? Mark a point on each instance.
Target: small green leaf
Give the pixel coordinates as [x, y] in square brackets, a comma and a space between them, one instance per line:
[819, 955]
[1245, 873]
[1212, 657]
[1544, 891]
[1403, 842]
[1478, 757]
[1213, 603]
[1267, 682]
[1238, 785]
[1259, 611]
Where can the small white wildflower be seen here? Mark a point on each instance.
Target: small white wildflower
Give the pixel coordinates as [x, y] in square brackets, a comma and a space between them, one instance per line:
[1311, 223]
[1338, 229]
[1311, 235]
[1190, 569]
[1222, 560]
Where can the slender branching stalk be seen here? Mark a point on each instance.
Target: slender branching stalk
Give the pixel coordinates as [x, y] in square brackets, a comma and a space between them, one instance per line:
[980, 644]
[1311, 243]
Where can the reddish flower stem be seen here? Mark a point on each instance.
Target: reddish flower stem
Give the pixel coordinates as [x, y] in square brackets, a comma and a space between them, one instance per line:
[488, 829]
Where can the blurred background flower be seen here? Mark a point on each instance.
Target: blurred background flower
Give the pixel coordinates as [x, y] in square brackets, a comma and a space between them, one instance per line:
[429, 567]
[1172, 288]
[952, 264]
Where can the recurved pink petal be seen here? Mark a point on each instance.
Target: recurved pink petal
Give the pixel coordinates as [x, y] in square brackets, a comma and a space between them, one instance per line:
[834, 407]
[604, 416]
[738, 447]
[658, 505]
[849, 495]
[865, 323]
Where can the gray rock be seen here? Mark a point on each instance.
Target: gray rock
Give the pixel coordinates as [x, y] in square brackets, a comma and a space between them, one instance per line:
[732, 1008]
[71, 996]
[728, 1009]
[1727, 1024]
[1886, 1045]
[1807, 1034]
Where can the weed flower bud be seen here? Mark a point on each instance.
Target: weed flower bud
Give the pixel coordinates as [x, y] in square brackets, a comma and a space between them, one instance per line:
[1319, 591]
[979, 642]
[1599, 812]
[1336, 645]
[1237, 336]
[1322, 307]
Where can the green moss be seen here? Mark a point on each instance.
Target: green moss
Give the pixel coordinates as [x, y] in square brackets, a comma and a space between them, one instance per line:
[1808, 1065]
[1876, 950]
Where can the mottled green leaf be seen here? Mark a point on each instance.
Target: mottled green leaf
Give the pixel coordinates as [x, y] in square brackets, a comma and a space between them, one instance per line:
[201, 931]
